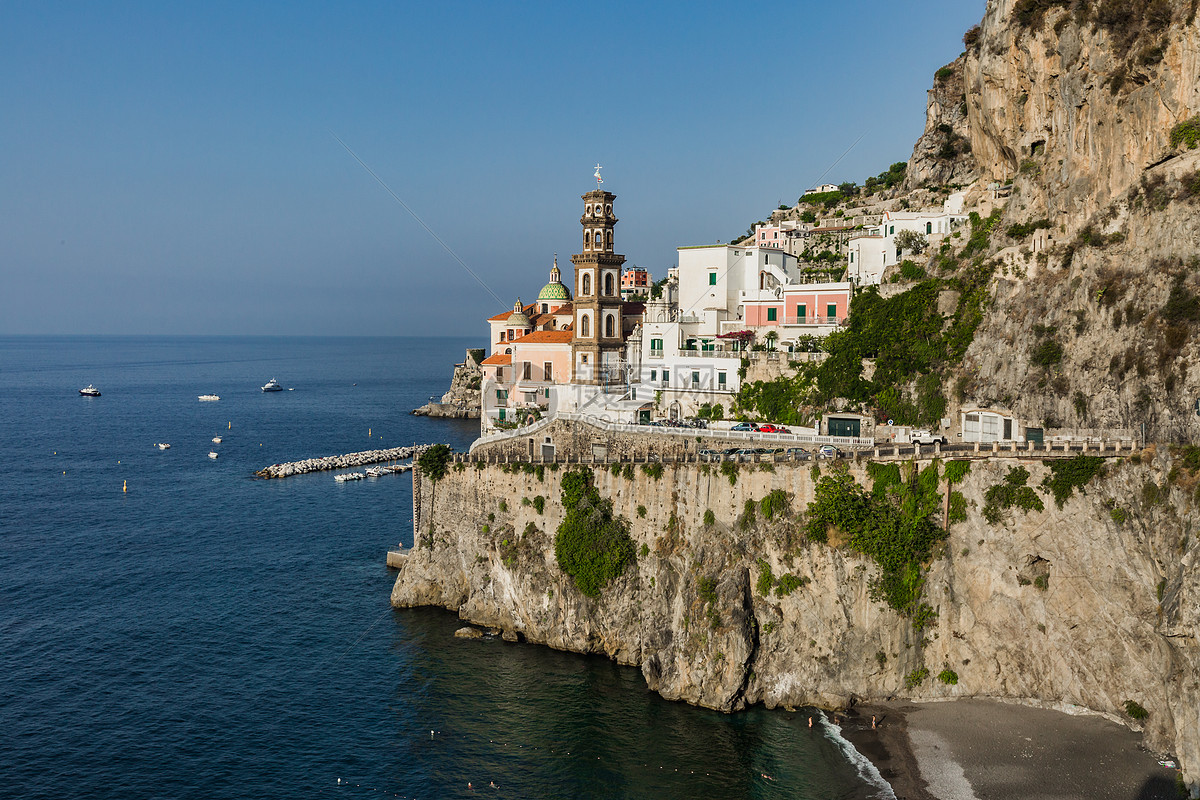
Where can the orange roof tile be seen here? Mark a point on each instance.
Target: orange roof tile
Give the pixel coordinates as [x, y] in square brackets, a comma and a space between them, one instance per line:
[529, 310]
[545, 337]
[498, 360]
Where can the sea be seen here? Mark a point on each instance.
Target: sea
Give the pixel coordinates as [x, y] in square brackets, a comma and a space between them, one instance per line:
[173, 627]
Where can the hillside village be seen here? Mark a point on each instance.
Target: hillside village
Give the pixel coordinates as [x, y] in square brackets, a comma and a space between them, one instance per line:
[728, 319]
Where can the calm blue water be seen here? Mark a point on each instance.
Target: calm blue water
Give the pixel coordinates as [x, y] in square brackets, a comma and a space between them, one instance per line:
[209, 635]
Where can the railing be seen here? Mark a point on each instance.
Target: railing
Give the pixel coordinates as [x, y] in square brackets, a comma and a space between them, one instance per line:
[656, 353]
[813, 320]
[697, 353]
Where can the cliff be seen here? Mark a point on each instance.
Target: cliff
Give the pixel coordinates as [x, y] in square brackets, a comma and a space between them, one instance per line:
[462, 400]
[1092, 604]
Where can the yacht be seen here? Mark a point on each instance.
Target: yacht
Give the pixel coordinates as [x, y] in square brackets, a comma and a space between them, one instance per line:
[209, 398]
[90, 391]
[212, 453]
[216, 440]
[272, 386]
[163, 446]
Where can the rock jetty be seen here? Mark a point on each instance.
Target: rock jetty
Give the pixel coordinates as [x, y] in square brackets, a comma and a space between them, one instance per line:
[340, 462]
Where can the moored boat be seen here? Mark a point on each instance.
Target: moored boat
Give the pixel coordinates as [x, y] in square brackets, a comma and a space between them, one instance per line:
[212, 453]
[272, 386]
[163, 446]
[208, 398]
[90, 391]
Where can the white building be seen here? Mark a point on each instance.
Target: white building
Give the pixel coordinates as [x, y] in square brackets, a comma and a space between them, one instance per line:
[874, 250]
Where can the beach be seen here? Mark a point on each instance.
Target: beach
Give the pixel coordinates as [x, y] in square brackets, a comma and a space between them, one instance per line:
[987, 750]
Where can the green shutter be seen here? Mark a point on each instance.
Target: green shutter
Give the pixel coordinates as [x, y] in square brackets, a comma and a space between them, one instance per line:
[712, 279]
[831, 310]
[770, 315]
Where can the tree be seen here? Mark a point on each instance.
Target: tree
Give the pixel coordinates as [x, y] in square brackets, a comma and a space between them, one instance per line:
[911, 241]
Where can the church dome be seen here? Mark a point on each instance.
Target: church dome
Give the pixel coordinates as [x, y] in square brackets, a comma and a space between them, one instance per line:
[518, 319]
[554, 290]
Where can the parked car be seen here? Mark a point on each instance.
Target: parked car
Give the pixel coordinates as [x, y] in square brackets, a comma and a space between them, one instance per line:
[797, 454]
[773, 429]
[828, 451]
[921, 436]
[707, 453]
[745, 426]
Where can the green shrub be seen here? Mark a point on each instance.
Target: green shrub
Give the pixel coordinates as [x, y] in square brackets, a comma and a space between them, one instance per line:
[539, 504]
[434, 463]
[948, 677]
[730, 470]
[957, 470]
[943, 73]
[627, 471]
[591, 545]
[881, 658]
[641, 511]
[958, 508]
[503, 506]
[1042, 582]
[1074, 473]
[897, 533]
[1047, 354]
[916, 677]
[710, 518]
[1021, 230]
[747, 519]
[765, 579]
[1186, 132]
[789, 583]
[1013, 492]
[776, 502]
[1119, 515]
[653, 470]
[1135, 710]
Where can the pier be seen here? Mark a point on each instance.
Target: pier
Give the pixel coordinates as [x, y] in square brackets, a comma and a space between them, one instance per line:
[341, 462]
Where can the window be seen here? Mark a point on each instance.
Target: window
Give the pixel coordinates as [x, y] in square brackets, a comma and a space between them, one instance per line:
[928, 227]
[891, 230]
[587, 284]
[653, 375]
[609, 327]
[501, 394]
[548, 372]
[656, 344]
[502, 415]
[502, 335]
[527, 371]
[695, 378]
[499, 373]
[851, 256]
[770, 315]
[599, 240]
[545, 308]
[712, 279]
[608, 284]
[587, 210]
[585, 323]
[801, 311]
[547, 392]
[583, 358]
[609, 246]
[721, 379]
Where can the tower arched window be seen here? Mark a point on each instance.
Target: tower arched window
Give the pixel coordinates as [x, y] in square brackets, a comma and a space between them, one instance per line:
[587, 240]
[584, 327]
[608, 285]
[599, 240]
[586, 286]
[609, 326]
[609, 244]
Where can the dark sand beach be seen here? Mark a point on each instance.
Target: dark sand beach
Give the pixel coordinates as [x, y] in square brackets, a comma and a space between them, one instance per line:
[986, 750]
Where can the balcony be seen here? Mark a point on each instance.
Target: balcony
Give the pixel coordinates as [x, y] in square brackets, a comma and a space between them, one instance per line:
[813, 320]
[656, 352]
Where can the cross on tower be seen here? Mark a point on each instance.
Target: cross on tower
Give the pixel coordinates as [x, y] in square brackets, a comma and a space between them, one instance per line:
[599, 180]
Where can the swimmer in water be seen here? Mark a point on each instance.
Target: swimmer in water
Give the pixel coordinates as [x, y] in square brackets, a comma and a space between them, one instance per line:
[810, 722]
[872, 722]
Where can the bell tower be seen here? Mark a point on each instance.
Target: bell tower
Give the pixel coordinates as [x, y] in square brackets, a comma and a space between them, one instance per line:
[598, 341]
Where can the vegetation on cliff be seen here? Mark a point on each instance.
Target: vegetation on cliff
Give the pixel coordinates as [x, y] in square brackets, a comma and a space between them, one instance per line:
[591, 545]
[894, 524]
[434, 463]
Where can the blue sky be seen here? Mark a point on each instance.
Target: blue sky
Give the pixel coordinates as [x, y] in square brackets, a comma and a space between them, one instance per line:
[169, 168]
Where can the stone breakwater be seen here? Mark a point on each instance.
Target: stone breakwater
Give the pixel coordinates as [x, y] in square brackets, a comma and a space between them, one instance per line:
[341, 462]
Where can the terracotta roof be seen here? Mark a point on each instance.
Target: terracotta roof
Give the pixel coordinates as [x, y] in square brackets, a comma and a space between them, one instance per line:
[545, 337]
[634, 309]
[564, 309]
[498, 360]
[529, 309]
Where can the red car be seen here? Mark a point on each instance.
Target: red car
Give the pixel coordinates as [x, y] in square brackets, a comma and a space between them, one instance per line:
[773, 429]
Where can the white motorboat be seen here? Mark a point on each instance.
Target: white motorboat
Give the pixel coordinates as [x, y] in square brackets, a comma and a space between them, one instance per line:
[272, 386]
[163, 446]
[212, 453]
[216, 440]
[349, 476]
[208, 398]
[90, 391]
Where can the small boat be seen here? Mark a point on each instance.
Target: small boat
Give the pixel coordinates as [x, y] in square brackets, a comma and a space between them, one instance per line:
[272, 386]
[212, 453]
[163, 446]
[377, 472]
[349, 476]
[216, 440]
[208, 398]
[90, 391]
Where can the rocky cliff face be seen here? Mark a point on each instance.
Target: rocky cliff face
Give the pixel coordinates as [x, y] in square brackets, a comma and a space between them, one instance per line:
[1077, 99]
[462, 401]
[943, 155]
[1090, 605]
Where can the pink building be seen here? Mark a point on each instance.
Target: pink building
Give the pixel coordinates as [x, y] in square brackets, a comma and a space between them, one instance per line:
[810, 304]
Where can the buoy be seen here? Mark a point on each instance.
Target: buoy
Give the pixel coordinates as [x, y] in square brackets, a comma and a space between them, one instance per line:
[124, 485]
[368, 433]
[230, 425]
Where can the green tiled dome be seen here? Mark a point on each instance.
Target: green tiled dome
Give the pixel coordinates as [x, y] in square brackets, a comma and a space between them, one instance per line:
[554, 291]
